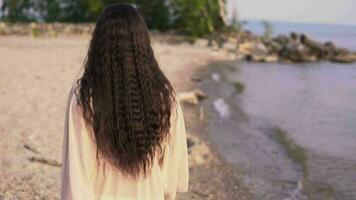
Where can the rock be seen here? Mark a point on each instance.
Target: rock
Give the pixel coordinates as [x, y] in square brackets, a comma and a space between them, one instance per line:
[317, 48]
[298, 52]
[218, 38]
[213, 44]
[239, 57]
[231, 43]
[247, 36]
[281, 40]
[273, 46]
[230, 46]
[255, 48]
[190, 143]
[329, 45]
[192, 97]
[256, 52]
[232, 40]
[344, 58]
[261, 48]
[254, 58]
[249, 58]
[196, 79]
[309, 58]
[202, 43]
[271, 58]
[294, 36]
[262, 58]
[246, 47]
[342, 51]
[199, 151]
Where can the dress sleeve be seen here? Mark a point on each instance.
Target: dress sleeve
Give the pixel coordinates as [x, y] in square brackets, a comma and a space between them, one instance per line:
[81, 156]
[175, 168]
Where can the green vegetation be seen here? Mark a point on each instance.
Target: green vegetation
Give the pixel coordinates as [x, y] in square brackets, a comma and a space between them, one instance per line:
[55, 10]
[235, 20]
[293, 150]
[268, 30]
[326, 190]
[155, 12]
[199, 17]
[196, 18]
[35, 32]
[239, 87]
[17, 10]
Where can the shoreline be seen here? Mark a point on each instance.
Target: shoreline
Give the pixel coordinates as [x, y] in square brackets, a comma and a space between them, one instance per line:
[209, 170]
[292, 47]
[271, 153]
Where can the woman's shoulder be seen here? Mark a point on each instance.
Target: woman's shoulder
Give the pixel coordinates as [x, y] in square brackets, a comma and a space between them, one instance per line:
[72, 102]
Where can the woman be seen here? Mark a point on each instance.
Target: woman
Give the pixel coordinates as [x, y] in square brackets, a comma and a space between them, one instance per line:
[124, 133]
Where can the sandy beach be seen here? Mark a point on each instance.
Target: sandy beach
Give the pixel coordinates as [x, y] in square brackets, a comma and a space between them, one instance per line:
[36, 75]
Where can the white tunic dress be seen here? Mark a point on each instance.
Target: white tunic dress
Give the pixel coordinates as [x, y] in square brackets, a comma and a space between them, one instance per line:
[82, 179]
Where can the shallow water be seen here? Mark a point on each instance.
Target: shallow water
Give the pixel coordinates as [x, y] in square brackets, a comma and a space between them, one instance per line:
[315, 104]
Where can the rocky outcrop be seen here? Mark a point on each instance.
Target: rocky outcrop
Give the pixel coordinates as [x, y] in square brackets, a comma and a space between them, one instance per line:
[294, 48]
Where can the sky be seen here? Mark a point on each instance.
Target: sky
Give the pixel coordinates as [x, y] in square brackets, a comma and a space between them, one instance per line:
[304, 11]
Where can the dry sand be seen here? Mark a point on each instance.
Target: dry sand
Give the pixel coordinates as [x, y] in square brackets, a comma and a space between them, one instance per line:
[36, 75]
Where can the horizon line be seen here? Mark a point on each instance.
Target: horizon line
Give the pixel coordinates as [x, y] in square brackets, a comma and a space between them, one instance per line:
[298, 22]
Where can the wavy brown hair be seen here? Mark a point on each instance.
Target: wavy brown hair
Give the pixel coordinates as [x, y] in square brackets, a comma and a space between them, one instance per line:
[125, 98]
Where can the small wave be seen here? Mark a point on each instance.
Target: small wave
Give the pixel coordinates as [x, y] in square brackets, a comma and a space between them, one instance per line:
[215, 77]
[297, 193]
[222, 108]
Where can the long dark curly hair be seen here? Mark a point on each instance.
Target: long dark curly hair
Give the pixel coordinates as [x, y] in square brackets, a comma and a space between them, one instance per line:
[125, 98]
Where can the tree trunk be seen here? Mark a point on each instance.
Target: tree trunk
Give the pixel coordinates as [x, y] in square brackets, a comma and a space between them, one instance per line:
[222, 11]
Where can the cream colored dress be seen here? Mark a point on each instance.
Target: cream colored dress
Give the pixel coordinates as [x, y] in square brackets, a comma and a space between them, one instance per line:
[83, 180]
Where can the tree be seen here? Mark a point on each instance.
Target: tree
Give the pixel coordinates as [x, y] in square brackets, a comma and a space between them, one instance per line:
[155, 12]
[31, 10]
[18, 10]
[85, 10]
[194, 17]
[200, 17]
[49, 11]
[268, 30]
[235, 22]
[96, 7]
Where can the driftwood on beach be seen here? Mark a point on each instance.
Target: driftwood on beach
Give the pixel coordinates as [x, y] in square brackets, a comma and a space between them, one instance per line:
[53, 163]
[191, 97]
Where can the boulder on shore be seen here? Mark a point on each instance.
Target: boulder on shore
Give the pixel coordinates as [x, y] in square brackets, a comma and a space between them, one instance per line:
[293, 48]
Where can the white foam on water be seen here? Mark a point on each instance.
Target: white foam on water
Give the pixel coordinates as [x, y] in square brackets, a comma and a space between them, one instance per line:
[297, 194]
[222, 108]
[215, 77]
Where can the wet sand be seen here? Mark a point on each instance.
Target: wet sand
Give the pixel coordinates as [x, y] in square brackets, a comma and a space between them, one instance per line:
[36, 75]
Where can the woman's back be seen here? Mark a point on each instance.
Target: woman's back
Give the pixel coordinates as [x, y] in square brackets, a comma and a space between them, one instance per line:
[124, 133]
[82, 178]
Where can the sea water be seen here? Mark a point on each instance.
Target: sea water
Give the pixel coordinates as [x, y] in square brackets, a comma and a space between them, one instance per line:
[313, 103]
